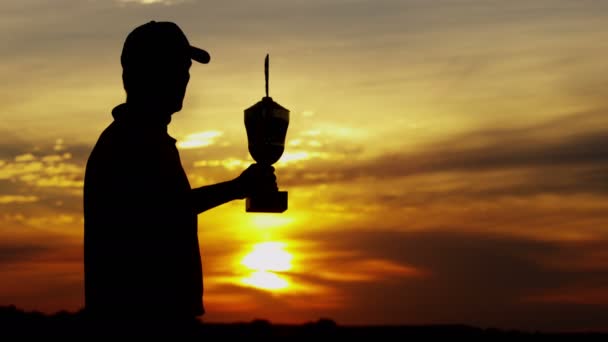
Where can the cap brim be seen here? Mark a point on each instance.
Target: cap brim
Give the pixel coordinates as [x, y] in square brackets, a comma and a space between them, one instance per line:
[199, 55]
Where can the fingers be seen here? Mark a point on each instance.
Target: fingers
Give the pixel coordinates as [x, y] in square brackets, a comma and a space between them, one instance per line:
[261, 167]
[265, 181]
[259, 170]
[260, 178]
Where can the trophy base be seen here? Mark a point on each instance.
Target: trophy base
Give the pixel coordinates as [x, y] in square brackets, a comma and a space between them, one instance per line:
[270, 202]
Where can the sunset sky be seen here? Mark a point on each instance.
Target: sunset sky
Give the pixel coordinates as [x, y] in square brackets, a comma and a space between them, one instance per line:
[446, 160]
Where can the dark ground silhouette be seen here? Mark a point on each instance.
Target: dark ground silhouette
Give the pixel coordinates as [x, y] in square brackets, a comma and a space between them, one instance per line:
[18, 323]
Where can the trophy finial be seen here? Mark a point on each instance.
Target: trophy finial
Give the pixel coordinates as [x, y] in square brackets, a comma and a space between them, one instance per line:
[266, 66]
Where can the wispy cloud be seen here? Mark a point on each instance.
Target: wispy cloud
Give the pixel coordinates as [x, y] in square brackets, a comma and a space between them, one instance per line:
[486, 279]
[17, 199]
[54, 170]
[547, 159]
[151, 2]
[198, 140]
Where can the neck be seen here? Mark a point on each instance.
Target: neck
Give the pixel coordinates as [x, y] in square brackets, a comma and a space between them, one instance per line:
[148, 112]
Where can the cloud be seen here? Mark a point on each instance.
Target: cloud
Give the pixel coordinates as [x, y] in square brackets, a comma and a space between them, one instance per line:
[305, 146]
[475, 278]
[230, 163]
[10, 253]
[544, 158]
[41, 271]
[28, 157]
[151, 2]
[41, 183]
[364, 269]
[38, 169]
[17, 199]
[374, 275]
[50, 172]
[198, 140]
[594, 296]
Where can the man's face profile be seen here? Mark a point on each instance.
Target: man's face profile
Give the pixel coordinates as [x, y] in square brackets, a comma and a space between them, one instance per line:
[160, 84]
[168, 85]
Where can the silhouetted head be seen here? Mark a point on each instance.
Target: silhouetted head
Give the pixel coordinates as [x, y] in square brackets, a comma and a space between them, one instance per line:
[156, 59]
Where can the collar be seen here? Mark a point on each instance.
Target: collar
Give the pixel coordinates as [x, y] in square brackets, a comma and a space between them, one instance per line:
[138, 123]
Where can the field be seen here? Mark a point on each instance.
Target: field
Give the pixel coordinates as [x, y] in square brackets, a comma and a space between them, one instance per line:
[15, 323]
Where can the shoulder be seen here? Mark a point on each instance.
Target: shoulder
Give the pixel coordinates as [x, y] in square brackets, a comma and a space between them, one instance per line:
[110, 150]
[106, 141]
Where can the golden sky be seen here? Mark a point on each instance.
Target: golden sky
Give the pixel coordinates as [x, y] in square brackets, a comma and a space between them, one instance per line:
[446, 160]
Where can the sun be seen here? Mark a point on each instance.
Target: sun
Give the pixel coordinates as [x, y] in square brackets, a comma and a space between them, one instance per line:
[264, 261]
[268, 256]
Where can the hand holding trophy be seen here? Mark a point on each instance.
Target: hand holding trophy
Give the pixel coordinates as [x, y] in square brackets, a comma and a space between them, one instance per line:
[266, 123]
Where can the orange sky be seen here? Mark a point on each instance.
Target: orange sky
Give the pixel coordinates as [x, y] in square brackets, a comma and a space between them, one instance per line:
[446, 161]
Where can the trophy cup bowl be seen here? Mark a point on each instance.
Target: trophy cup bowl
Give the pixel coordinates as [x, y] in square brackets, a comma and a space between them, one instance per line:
[266, 123]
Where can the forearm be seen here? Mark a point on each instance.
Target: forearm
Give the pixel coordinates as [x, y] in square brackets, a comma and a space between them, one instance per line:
[211, 196]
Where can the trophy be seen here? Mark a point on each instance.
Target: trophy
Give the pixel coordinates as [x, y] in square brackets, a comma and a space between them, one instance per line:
[266, 124]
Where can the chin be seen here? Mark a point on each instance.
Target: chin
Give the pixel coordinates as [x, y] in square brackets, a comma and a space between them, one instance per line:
[174, 108]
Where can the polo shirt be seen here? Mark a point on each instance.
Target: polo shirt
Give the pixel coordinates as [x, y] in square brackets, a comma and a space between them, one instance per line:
[141, 249]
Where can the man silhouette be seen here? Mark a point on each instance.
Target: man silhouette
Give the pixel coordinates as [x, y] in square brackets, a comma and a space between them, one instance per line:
[141, 251]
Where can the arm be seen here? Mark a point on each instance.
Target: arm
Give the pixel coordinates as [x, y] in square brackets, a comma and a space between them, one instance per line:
[255, 178]
[211, 196]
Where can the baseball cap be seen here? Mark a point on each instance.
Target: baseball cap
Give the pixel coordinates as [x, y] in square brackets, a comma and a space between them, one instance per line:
[159, 41]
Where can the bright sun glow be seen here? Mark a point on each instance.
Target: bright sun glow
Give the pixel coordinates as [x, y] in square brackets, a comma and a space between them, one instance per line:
[265, 259]
[266, 281]
[269, 220]
[268, 256]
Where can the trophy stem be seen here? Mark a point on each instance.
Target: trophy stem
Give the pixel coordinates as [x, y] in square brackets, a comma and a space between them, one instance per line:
[266, 67]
